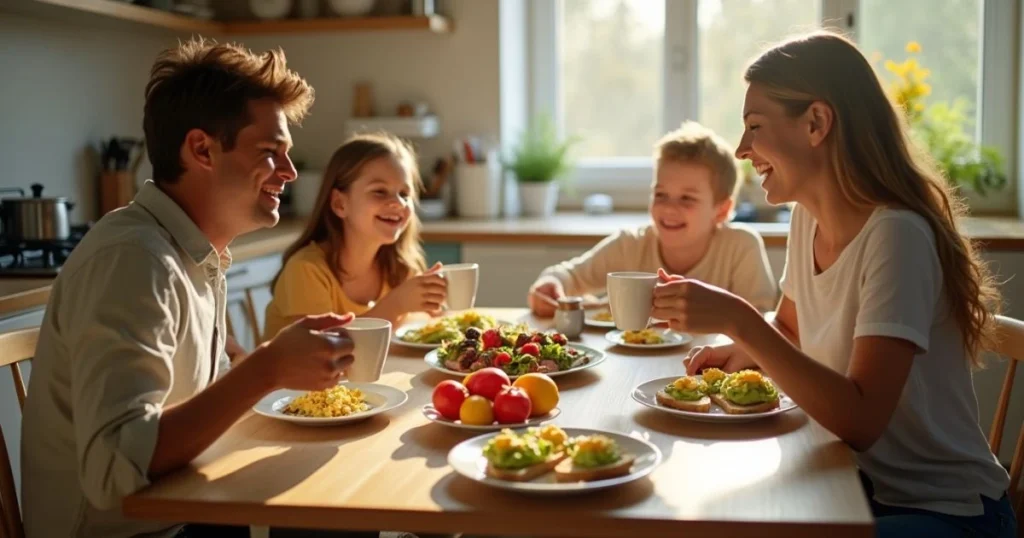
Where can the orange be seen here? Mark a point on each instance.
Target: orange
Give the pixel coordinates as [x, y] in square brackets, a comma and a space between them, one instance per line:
[476, 411]
[543, 392]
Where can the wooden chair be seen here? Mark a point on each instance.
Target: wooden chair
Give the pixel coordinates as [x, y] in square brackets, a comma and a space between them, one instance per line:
[249, 311]
[1011, 345]
[15, 347]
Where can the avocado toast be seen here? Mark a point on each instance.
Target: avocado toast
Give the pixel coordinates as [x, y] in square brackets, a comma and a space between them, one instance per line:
[686, 394]
[593, 457]
[745, 392]
[523, 457]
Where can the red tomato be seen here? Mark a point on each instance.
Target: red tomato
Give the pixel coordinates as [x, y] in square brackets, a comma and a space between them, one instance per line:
[487, 382]
[491, 339]
[448, 397]
[501, 359]
[511, 406]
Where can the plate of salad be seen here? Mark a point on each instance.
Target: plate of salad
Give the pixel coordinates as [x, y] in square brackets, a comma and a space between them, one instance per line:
[431, 334]
[516, 349]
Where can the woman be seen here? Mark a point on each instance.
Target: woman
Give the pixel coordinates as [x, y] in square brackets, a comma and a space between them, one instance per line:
[886, 307]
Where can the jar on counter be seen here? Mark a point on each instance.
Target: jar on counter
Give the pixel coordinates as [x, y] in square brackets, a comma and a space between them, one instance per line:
[569, 316]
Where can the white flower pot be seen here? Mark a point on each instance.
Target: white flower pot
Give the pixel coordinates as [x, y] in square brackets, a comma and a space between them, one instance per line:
[538, 199]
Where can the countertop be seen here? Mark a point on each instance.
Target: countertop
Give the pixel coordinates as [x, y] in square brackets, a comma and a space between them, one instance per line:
[994, 233]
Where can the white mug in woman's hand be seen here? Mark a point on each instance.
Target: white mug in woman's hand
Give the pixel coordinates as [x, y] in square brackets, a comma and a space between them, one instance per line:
[630, 298]
[462, 283]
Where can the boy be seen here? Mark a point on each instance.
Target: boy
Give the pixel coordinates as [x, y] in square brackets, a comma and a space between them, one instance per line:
[691, 201]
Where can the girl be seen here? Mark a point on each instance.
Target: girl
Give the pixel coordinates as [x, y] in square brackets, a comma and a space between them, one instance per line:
[885, 305]
[360, 251]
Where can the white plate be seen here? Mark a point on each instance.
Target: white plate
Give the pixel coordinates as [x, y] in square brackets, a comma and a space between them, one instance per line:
[396, 337]
[596, 357]
[588, 320]
[434, 416]
[467, 459]
[646, 395]
[672, 339]
[379, 397]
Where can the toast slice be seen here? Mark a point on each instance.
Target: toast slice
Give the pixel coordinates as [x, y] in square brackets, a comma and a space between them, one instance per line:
[526, 473]
[702, 405]
[737, 409]
[567, 471]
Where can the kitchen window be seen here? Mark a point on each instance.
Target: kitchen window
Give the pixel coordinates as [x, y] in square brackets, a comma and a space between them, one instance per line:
[620, 73]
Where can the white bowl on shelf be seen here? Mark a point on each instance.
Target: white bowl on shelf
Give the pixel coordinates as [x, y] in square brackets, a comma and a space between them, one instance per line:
[351, 8]
[270, 9]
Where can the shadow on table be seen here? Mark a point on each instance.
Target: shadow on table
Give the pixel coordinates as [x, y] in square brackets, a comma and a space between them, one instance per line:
[711, 431]
[454, 491]
[430, 379]
[431, 443]
[289, 468]
[271, 431]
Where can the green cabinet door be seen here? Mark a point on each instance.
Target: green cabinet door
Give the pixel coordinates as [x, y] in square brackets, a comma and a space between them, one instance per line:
[446, 253]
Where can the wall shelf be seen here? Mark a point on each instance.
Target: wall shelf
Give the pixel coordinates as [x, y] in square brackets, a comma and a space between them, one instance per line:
[434, 23]
[122, 10]
[413, 127]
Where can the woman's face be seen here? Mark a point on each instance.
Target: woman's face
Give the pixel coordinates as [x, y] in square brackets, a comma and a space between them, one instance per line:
[786, 151]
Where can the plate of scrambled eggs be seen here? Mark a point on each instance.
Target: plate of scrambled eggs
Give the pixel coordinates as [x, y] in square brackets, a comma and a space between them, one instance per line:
[344, 403]
[648, 338]
[599, 318]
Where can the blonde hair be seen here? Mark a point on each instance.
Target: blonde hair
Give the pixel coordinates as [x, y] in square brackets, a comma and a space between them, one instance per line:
[397, 261]
[876, 163]
[694, 143]
[206, 85]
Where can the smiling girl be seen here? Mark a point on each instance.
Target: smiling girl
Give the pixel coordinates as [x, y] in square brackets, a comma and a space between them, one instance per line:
[360, 251]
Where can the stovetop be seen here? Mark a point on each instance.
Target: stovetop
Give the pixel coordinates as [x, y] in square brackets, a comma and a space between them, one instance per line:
[37, 258]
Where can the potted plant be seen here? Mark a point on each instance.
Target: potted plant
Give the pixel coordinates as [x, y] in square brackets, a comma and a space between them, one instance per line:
[942, 129]
[539, 162]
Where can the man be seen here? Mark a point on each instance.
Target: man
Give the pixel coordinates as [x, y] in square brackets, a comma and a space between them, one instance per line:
[124, 385]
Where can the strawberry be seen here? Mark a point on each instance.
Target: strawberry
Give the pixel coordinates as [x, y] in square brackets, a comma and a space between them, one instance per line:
[501, 359]
[491, 339]
[530, 349]
[559, 339]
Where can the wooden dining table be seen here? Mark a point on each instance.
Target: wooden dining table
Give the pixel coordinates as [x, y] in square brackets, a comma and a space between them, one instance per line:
[782, 476]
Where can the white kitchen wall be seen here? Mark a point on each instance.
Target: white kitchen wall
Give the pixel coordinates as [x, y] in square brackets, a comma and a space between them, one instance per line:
[456, 74]
[66, 86]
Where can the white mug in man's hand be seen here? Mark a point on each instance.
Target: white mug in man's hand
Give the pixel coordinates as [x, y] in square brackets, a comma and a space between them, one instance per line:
[371, 338]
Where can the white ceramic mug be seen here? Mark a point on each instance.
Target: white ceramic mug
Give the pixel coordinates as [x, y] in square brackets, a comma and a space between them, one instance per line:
[462, 283]
[371, 338]
[631, 297]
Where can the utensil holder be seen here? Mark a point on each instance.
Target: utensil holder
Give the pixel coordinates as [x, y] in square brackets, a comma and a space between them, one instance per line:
[117, 188]
[478, 189]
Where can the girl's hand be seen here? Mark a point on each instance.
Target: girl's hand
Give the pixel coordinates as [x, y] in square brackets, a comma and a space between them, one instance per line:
[728, 358]
[695, 307]
[422, 293]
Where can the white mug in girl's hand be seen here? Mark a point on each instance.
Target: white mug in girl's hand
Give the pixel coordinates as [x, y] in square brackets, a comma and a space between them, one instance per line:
[462, 282]
[630, 298]
[371, 338]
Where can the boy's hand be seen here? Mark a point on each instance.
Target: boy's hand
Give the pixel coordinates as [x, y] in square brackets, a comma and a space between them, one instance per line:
[544, 296]
[310, 354]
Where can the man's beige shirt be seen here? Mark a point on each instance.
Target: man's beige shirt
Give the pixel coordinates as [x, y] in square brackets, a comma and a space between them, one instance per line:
[135, 323]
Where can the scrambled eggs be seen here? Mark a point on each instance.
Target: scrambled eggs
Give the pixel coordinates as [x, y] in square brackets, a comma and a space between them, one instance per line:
[553, 434]
[333, 402]
[603, 316]
[645, 336]
[690, 383]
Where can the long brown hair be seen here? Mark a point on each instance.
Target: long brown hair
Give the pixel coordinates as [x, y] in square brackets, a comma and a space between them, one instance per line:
[876, 163]
[397, 261]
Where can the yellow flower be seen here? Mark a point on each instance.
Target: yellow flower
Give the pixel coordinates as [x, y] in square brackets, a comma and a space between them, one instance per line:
[913, 47]
[918, 107]
[924, 89]
[892, 67]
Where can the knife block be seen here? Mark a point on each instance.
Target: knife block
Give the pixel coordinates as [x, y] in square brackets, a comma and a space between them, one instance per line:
[117, 188]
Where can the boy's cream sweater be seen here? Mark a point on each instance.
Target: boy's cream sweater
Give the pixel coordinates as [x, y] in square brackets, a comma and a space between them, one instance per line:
[736, 261]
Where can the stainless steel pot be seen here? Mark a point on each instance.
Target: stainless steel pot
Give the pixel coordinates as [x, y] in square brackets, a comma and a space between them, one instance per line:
[35, 218]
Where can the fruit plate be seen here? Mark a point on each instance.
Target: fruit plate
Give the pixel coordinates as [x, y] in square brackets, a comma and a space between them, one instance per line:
[467, 459]
[645, 394]
[379, 397]
[399, 334]
[434, 416]
[670, 339]
[596, 357]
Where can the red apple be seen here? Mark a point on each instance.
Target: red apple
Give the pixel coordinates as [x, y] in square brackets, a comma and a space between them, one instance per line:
[448, 397]
[511, 406]
[487, 382]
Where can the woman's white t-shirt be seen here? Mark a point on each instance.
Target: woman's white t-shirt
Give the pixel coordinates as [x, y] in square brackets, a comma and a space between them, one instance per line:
[888, 282]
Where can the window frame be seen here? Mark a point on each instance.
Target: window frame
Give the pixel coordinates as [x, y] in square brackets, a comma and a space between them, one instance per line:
[622, 177]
